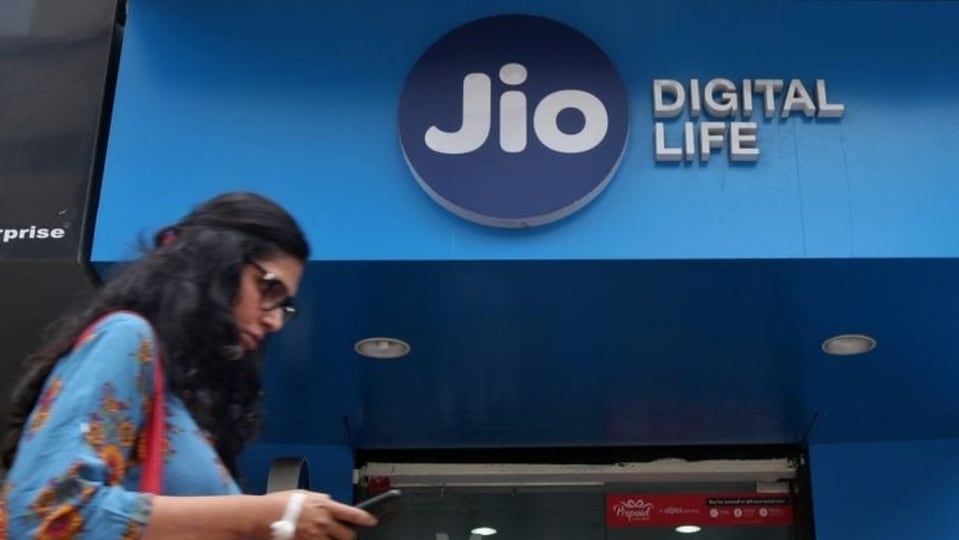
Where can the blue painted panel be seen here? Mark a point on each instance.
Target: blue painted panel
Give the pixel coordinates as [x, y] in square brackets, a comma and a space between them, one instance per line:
[299, 100]
[578, 354]
[549, 353]
[906, 388]
[886, 491]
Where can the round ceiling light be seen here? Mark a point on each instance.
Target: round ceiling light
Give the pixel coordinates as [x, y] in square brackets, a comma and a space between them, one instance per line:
[483, 531]
[688, 529]
[382, 347]
[848, 344]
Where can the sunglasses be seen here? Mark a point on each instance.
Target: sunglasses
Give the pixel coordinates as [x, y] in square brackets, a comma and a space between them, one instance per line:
[274, 294]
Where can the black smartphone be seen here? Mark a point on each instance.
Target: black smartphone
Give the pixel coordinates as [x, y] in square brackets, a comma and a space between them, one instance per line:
[379, 504]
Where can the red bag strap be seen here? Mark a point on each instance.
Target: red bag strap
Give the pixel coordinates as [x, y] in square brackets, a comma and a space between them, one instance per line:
[151, 472]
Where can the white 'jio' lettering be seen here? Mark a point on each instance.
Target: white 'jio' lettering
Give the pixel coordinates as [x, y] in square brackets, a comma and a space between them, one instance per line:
[477, 118]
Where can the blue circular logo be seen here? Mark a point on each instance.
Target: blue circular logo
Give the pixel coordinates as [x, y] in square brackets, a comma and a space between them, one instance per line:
[513, 121]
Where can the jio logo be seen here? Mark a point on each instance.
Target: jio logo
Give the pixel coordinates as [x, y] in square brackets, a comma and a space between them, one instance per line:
[513, 121]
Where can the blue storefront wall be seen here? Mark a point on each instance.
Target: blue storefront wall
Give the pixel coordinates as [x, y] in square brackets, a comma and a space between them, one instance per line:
[298, 100]
[886, 490]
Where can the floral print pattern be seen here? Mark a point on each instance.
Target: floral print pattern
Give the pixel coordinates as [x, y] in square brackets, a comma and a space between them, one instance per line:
[65, 521]
[169, 449]
[4, 490]
[134, 530]
[77, 469]
[44, 404]
[55, 507]
[111, 432]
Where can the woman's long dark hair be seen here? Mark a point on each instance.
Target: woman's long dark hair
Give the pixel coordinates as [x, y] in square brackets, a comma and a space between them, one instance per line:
[186, 287]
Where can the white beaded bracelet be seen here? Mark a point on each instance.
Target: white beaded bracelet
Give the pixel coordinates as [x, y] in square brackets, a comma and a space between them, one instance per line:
[286, 527]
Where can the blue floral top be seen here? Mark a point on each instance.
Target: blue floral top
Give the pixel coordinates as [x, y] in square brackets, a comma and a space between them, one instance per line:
[76, 473]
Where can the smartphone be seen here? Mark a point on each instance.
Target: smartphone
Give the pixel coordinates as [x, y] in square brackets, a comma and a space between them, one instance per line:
[379, 504]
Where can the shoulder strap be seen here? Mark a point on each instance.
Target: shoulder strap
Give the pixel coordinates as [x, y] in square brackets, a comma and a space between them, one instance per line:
[151, 475]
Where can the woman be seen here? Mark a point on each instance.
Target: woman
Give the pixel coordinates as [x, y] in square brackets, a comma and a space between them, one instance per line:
[200, 303]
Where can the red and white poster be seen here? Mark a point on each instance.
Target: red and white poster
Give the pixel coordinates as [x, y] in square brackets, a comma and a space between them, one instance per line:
[705, 509]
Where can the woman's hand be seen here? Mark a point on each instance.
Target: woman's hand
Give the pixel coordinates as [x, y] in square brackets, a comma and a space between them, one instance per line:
[322, 518]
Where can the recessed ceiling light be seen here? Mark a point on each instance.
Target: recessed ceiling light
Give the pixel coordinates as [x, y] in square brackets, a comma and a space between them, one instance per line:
[483, 531]
[382, 347]
[848, 344]
[688, 529]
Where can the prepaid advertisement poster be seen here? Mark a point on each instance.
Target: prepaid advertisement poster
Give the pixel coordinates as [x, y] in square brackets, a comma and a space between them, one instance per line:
[705, 509]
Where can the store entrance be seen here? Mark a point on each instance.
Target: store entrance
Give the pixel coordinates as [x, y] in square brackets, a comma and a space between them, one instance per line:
[758, 501]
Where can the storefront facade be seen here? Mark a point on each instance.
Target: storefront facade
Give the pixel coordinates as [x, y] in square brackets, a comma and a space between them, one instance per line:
[598, 225]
